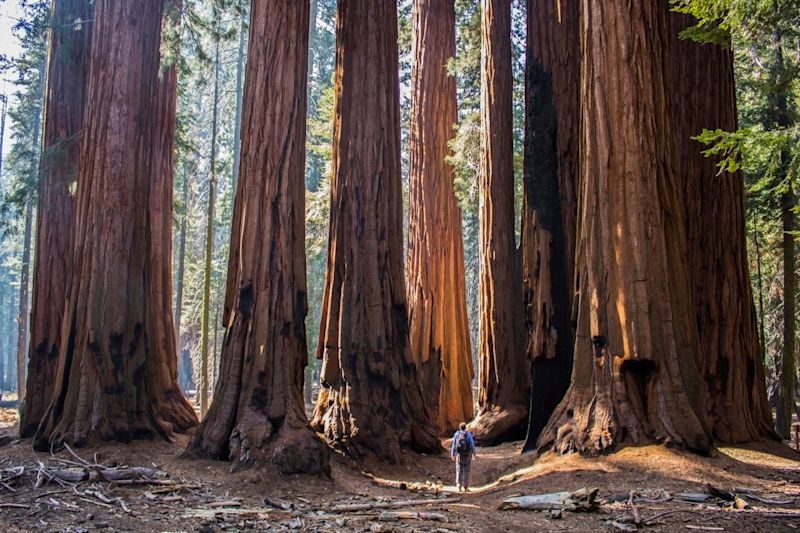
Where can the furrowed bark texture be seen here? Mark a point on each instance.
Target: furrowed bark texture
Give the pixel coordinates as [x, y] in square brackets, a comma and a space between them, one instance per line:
[258, 414]
[503, 394]
[704, 96]
[116, 377]
[636, 376]
[437, 298]
[550, 204]
[371, 399]
[68, 71]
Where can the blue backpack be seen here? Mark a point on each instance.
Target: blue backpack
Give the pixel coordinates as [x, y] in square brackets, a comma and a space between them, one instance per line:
[462, 445]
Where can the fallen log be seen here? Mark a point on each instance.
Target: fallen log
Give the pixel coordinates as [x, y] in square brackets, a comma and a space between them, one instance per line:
[355, 507]
[396, 516]
[580, 500]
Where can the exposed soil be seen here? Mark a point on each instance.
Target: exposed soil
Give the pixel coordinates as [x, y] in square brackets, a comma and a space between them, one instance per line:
[769, 470]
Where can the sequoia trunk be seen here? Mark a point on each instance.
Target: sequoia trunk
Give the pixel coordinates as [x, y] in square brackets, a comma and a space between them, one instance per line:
[258, 412]
[439, 334]
[116, 377]
[636, 376]
[503, 396]
[370, 400]
[704, 96]
[552, 122]
[68, 71]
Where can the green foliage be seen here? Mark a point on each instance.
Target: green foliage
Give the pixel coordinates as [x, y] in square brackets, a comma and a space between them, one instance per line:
[21, 166]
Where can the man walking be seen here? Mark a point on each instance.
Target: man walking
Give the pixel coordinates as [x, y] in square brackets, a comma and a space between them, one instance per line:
[462, 452]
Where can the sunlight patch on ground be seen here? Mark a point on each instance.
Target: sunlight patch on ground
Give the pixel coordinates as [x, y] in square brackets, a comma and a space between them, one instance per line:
[8, 418]
[760, 458]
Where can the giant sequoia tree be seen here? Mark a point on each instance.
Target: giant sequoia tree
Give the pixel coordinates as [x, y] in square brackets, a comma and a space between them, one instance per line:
[116, 376]
[552, 122]
[636, 376]
[704, 96]
[503, 379]
[68, 71]
[439, 333]
[370, 400]
[258, 411]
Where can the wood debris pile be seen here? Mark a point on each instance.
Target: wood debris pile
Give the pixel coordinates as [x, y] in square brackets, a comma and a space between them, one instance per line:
[714, 504]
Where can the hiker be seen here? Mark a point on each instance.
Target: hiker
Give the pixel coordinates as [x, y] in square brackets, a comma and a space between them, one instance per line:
[462, 452]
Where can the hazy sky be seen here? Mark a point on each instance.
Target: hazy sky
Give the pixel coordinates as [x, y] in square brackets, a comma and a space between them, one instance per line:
[9, 10]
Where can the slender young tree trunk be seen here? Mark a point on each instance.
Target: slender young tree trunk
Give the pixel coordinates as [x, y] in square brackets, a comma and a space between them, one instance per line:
[25, 272]
[439, 332]
[24, 282]
[3, 347]
[371, 400]
[116, 377]
[240, 59]
[503, 396]
[636, 376]
[788, 369]
[212, 192]
[11, 354]
[183, 371]
[550, 204]
[68, 72]
[3, 112]
[704, 96]
[258, 414]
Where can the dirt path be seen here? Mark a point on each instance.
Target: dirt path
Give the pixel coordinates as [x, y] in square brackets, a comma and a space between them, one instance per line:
[769, 471]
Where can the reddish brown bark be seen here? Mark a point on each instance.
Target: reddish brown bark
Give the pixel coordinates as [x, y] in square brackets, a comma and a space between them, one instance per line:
[68, 71]
[503, 377]
[550, 204]
[636, 376]
[371, 400]
[116, 377]
[258, 412]
[704, 97]
[439, 333]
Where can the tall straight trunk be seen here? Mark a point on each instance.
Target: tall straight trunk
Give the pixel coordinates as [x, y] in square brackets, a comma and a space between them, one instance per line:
[371, 400]
[552, 123]
[25, 268]
[3, 346]
[779, 111]
[636, 376]
[11, 353]
[116, 377]
[68, 72]
[503, 396]
[258, 413]
[704, 96]
[3, 113]
[209, 253]
[23, 310]
[788, 370]
[308, 391]
[437, 297]
[240, 59]
[165, 104]
[183, 370]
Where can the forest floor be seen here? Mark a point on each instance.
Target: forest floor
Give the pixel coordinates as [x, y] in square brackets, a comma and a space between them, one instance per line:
[203, 496]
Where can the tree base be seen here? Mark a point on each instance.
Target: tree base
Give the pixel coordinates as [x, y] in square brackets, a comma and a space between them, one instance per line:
[340, 429]
[294, 451]
[497, 425]
[603, 425]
